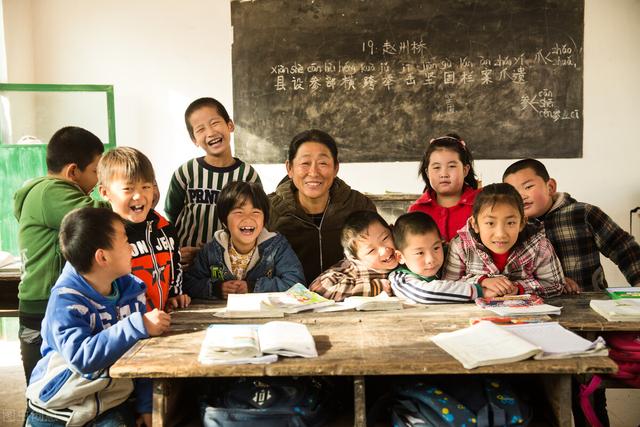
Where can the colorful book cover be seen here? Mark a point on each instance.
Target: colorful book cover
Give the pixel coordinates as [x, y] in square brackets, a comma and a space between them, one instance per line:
[626, 292]
[526, 300]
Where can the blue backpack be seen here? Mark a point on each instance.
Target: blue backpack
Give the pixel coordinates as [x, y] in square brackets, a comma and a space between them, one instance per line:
[269, 402]
[459, 401]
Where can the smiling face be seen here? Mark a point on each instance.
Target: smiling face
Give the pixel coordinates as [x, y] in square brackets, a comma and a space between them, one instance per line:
[498, 226]
[245, 223]
[131, 200]
[423, 254]
[446, 172]
[375, 248]
[536, 194]
[213, 134]
[312, 172]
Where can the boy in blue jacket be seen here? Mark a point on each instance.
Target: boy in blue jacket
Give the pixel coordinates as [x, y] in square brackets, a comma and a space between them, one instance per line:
[96, 313]
[244, 256]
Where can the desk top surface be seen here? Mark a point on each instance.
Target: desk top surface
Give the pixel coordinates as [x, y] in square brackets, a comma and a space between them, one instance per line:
[360, 343]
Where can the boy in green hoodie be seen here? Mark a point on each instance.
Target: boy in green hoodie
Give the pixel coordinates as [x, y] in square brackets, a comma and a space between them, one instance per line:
[39, 206]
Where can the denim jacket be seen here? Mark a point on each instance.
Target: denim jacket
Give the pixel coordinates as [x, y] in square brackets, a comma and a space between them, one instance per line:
[274, 267]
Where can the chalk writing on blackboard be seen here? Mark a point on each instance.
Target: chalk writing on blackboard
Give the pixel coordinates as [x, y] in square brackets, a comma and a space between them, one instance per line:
[418, 72]
[383, 80]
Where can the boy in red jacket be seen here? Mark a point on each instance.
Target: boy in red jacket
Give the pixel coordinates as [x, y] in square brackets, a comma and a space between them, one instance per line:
[127, 180]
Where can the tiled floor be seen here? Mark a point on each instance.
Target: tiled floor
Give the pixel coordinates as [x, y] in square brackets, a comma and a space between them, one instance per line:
[624, 404]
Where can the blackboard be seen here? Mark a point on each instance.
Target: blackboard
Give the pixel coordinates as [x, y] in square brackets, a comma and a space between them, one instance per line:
[385, 76]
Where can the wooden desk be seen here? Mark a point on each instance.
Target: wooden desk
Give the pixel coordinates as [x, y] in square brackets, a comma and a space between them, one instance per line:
[361, 344]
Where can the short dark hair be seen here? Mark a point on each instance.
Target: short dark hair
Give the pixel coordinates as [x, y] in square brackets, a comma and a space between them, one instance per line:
[413, 223]
[533, 164]
[452, 142]
[497, 193]
[200, 103]
[83, 231]
[313, 135]
[127, 163]
[355, 226]
[72, 144]
[237, 193]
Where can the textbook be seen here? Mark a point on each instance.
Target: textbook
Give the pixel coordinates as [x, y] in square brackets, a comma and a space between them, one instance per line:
[295, 299]
[486, 343]
[380, 302]
[248, 306]
[626, 292]
[617, 310]
[238, 344]
[517, 305]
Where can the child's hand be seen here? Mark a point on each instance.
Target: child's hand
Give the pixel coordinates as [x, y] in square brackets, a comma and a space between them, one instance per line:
[500, 285]
[570, 287]
[156, 322]
[188, 254]
[386, 287]
[234, 287]
[488, 293]
[143, 420]
[179, 301]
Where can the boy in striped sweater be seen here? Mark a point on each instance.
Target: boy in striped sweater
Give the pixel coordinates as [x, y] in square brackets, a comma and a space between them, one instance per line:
[190, 204]
[419, 248]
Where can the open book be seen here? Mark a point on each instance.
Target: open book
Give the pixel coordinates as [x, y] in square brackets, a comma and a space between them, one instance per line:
[380, 302]
[248, 306]
[297, 298]
[617, 310]
[237, 344]
[486, 343]
[517, 305]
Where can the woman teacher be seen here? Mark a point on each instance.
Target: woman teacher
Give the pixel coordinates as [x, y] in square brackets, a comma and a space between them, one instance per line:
[310, 205]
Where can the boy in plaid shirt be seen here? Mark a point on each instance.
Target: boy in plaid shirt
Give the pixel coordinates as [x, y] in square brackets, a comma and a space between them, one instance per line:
[369, 258]
[578, 231]
[498, 250]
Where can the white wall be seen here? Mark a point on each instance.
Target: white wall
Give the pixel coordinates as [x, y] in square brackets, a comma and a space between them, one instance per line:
[161, 54]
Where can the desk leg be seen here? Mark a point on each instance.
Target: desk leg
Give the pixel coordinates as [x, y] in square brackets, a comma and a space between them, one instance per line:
[359, 407]
[160, 394]
[558, 391]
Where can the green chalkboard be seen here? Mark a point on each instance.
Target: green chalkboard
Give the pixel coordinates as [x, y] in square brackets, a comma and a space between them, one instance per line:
[33, 112]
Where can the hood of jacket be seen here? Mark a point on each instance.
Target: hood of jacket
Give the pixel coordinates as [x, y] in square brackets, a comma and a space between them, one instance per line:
[21, 194]
[129, 286]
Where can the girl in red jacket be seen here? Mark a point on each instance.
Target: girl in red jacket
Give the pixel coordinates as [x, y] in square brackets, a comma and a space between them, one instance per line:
[451, 184]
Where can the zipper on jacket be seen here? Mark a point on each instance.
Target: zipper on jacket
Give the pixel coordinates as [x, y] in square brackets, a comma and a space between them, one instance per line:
[319, 228]
[155, 263]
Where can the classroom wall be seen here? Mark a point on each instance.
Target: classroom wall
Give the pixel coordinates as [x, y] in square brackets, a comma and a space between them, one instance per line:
[161, 54]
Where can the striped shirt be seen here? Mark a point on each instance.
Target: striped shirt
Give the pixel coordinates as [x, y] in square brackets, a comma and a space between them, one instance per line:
[431, 290]
[191, 199]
